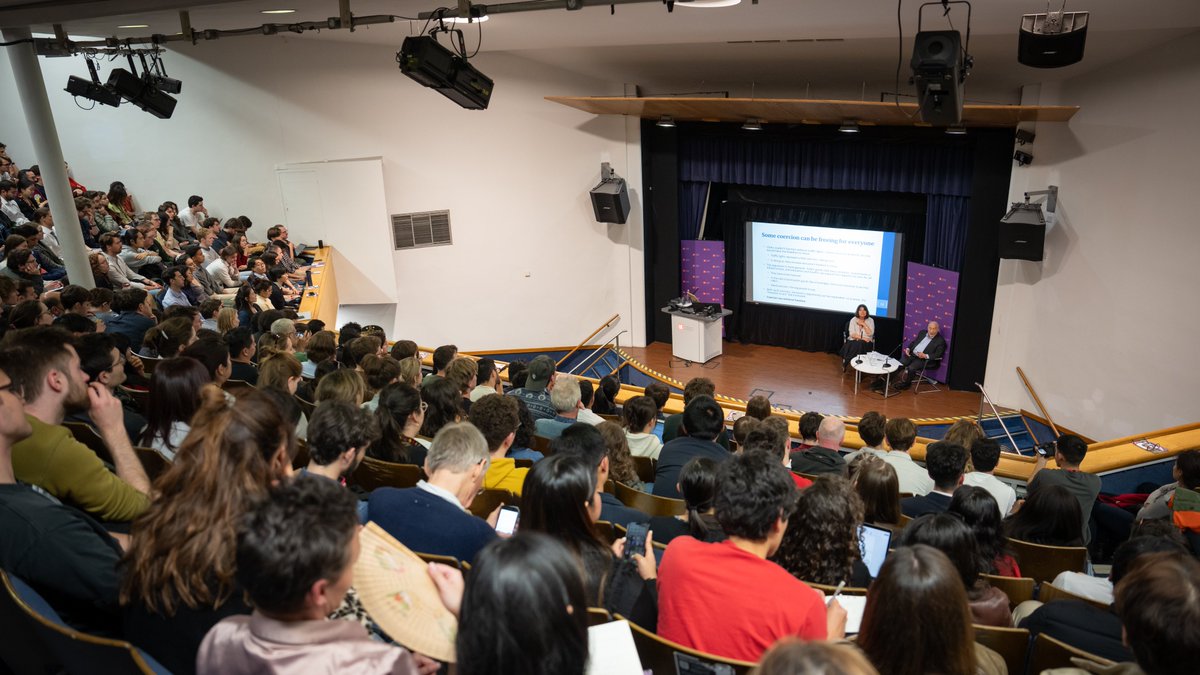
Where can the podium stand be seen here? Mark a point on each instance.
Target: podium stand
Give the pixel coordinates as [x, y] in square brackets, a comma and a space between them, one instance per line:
[695, 337]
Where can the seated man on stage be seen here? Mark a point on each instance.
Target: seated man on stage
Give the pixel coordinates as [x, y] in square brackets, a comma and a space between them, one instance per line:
[927, 347]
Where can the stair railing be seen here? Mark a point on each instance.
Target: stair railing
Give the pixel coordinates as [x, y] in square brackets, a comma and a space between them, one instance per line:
[598, 356]
[1003, 426]
[603, 326]
[1038, 401]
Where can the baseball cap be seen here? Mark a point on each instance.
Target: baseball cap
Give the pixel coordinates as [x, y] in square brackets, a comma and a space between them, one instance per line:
[541, 369]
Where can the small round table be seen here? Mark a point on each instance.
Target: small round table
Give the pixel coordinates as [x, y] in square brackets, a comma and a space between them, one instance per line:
[874, 363]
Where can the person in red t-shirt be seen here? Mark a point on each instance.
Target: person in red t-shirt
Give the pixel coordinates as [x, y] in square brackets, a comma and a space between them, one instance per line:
[726, 598]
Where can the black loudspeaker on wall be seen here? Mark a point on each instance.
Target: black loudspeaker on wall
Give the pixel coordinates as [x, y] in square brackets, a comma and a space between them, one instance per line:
[1052, 40]
[610, 199]
[1022, 241]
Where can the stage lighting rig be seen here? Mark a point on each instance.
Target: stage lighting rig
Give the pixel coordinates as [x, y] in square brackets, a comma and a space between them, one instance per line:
[92, 89]
[446, 69]
[941, 62]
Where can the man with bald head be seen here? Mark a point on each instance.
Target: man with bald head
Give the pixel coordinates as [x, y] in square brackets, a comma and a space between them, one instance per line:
[824, 457]
[927, 347]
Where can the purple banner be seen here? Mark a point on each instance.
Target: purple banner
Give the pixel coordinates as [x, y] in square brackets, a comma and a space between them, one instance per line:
[931, 296]
[702, 266]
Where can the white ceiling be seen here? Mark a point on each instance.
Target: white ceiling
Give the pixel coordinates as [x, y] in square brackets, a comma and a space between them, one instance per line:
[689, 50]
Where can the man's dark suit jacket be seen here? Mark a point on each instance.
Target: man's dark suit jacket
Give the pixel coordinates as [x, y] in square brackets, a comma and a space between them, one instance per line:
[936, 348]
[920, 505]
[818, 460]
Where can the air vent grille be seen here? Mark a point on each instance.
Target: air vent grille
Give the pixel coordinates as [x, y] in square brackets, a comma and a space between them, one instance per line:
[418, 230]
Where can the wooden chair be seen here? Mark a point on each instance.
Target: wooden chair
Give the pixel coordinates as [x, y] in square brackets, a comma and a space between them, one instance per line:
[302, 456]
[611, 418]
[541, 444]
[139, 396]
[306, 407]
[149, 363]
[598, 615]
[238, 387]
[1010, 643]
[904, 521]
[906, 495]
[1049, 593]
[84, 433]
[485, 502]
[1043, 563]
[605, 531]
[659, 655]
[523, 463]
[373, 473]
[810, 476]
[648, 503]
[77, 652]
[153, 462]
[610, 486]
[645, 467]
[445, 560]
[829, 590]
[1018, 589]
[1048, 653]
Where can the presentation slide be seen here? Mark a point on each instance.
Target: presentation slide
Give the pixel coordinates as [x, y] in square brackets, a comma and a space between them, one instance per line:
[826, 268]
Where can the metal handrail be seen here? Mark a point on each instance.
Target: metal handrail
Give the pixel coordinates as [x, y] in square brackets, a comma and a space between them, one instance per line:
[1037, 400]
[606, 324]
[598, 354]
[997, 414]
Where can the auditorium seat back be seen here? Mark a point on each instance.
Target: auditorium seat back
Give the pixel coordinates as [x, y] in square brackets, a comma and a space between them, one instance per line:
[663, 657]
[77, 652]
[1043, 563]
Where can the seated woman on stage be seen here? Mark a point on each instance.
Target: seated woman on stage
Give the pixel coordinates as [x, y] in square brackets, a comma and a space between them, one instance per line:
[860, 335]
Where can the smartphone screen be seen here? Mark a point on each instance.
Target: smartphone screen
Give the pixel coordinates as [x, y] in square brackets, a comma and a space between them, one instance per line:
[635, 539]
[506, 523]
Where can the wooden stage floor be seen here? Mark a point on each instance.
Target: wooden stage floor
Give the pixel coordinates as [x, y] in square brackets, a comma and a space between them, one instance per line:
[802, 381]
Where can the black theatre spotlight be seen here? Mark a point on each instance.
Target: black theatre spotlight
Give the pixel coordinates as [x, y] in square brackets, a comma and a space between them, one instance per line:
[141, 93]
[92, 89]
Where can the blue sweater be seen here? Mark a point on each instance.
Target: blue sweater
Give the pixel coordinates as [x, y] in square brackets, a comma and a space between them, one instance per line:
[426, 523]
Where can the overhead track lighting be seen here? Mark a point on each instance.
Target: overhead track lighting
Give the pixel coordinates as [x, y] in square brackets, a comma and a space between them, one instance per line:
[849, 127]
[666, 122]
[956, 130]
[752, 125]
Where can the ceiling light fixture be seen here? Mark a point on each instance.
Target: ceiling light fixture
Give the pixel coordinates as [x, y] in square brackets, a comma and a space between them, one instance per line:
[135, 25]
[752, 124]
[666, 122]
[956, 131]
[278, 11]
[849, 127]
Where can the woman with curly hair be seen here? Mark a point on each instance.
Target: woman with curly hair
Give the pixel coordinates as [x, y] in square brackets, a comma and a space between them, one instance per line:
[981, 513]
[821, 542]
[620, 462]
[179, 570]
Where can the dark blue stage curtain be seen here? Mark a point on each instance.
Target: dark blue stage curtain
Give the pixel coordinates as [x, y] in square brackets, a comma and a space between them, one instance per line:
[692, 202]
[939, 169]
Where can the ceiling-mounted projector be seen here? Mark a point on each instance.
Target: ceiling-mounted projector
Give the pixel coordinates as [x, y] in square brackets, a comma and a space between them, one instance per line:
[424, 60]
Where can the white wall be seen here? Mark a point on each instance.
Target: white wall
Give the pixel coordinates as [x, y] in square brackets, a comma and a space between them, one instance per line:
[529, 266]
[1106, 326]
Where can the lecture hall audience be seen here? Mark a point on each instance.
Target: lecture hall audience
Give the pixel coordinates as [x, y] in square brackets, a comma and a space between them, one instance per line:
[233, 565]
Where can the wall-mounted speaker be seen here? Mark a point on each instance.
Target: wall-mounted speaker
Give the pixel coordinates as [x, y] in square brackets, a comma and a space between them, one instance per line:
[1052, 40]
[610, 199]
[1023, 233]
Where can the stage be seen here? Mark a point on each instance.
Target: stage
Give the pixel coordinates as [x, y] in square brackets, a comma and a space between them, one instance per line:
[803, 381]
